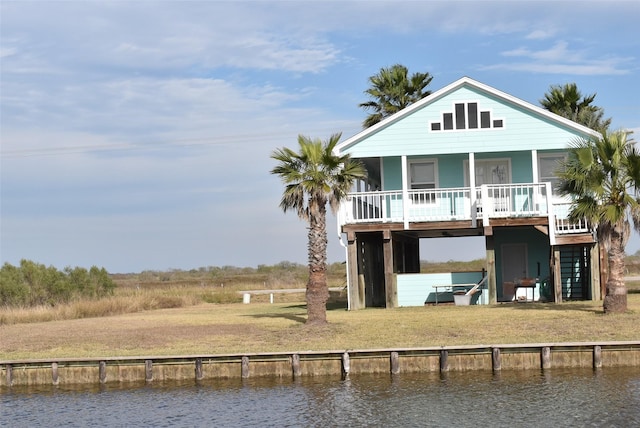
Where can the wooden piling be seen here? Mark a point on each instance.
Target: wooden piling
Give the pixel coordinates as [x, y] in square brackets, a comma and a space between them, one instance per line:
[54, 373]
[148, 370]
[346, 365]
[9, 374]
[597, 357]
[395, 362]
[198, 369]
[545, 358]
[444, 360]
[245, 367]
[102, 371]
[295, 365]
[496, 360]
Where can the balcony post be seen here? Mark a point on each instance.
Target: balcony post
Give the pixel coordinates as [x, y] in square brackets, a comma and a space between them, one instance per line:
[550, 215]
[534, 166]
[484, 195]
[405, 192]
[472, 188]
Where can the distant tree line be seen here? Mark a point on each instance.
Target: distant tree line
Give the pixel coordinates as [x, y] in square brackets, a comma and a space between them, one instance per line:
[32, 284]
[282, 273]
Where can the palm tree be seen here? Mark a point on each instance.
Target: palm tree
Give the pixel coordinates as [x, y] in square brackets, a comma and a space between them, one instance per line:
[603, 177]
[313, 177]
[568, 102]
[392, 90]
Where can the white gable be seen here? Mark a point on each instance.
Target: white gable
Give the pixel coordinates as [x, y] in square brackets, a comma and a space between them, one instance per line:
[466, 116]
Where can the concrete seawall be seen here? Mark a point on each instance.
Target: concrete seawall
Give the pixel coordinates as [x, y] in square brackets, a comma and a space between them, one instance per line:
[341, 362]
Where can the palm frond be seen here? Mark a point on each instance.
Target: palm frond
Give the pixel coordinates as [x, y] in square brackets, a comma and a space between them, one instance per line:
[392, 89]
[315, 175]
[603, 177]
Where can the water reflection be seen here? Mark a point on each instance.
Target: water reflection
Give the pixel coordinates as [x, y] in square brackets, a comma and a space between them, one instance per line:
[559, 398]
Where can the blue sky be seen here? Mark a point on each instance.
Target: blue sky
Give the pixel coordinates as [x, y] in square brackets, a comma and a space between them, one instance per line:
[136, 134]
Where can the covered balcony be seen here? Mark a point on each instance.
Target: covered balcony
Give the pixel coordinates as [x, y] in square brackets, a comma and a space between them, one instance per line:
[480, 206]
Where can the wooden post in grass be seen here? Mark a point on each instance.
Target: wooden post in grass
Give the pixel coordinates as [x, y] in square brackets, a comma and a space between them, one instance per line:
[355, 300]
[492, 286]
[557, 276]
[390, 284]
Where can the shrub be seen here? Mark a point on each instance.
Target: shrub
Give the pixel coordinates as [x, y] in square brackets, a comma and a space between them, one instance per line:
[32, 284]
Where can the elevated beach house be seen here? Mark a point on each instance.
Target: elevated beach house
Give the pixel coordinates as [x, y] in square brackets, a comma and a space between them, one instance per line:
[466, 161]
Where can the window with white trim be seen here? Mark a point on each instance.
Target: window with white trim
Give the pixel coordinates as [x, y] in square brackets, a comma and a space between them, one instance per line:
[548, 165]
[422, 176]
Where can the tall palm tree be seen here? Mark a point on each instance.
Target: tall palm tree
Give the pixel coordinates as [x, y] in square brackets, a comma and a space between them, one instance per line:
[392, 90]
[603, 177]
[567, 101]
[313, 177]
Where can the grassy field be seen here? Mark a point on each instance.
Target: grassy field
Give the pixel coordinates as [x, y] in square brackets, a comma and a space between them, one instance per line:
[214, 328]
[201, 312]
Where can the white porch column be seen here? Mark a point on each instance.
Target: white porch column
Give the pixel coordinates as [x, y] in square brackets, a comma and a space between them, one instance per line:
[534, 165]
[472, 188]
[405, 192]
[551, 215]
[537, 197]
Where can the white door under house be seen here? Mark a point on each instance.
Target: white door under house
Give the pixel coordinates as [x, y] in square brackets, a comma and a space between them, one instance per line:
[514, 267]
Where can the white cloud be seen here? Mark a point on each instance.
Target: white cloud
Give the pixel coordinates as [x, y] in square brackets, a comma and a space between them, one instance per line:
[540, 34]
[557, 52]
[561, 59]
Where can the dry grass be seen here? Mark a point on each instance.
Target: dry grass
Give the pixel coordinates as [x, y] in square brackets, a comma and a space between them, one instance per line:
[263, 327]
[125, 300]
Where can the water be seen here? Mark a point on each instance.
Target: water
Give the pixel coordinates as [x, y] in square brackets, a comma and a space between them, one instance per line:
[554, 398]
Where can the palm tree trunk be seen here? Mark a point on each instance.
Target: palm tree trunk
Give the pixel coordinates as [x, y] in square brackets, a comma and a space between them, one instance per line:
[615, 300]
[317, 289]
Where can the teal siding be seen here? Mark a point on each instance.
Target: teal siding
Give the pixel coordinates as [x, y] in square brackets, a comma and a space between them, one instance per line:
[523, 129]
[521, 171]
[451, 168]
[416, 289]
[450, 171]
[392, 173]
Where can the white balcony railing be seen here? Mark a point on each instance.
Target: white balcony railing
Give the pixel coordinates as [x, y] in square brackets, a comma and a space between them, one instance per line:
[562, 223]
[491, 201]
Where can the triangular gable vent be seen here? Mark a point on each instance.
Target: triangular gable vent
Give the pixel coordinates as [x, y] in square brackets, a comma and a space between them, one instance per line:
[466, 116]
